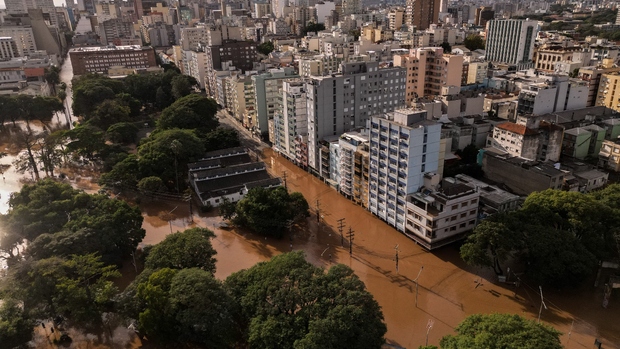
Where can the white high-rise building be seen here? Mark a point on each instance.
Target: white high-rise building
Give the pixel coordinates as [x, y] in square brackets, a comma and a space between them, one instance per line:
[292, 120]
[403, 149]
[23, 37]
[345, 101]
[511, 41]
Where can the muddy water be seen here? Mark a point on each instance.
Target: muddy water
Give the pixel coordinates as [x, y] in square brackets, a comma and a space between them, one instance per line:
[448, 290]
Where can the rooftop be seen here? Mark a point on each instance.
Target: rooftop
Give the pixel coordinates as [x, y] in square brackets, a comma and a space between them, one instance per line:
[110, 48]
[516, 128]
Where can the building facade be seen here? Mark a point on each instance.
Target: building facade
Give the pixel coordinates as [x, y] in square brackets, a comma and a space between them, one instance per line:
[86, 60]
[402, 151]
[511, 41]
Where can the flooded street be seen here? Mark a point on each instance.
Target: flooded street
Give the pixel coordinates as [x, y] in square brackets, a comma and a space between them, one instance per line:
[448, 289]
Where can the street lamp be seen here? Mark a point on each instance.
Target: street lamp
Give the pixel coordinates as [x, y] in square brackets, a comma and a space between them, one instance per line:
[416, 285]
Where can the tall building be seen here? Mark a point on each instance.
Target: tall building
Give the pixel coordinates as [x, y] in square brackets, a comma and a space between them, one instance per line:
[23, 37]
[8, 48]
[422, 13]
[268, 95]
[511, 41]
[428, 70]
[345, 101]
[403, 149]
[350, 7]
[395, 18]
[291, 120]
[592, 76]
[46, 6]
[483, 15]
[115, 28]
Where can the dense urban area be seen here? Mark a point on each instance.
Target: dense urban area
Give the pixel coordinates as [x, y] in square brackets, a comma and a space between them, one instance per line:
[309, 174]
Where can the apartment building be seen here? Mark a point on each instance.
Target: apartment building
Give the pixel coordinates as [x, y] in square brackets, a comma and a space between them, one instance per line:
[477, 72]
[195, 65]
[511, 41]
[403, 149]
[608, 91]
[528, 138]
[354, 166]
[292, 120]
[552, 93]
[8, 48]
[86, 60]
[23, 37]
[592, 76]
[420, 14]
[268, 96]
[345, 101]
[192, 38]
[609, 156]
[428, 71]
[439, 215]
[238, 54]
[115, 28]
[396, 18]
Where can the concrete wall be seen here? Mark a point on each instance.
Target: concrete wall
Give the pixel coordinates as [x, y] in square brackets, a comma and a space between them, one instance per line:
[520, 180]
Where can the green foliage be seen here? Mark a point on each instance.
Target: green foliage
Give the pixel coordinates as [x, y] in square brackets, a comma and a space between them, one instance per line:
[190, 112]
[447, 48]
[313, 27]
[185, 306]
[268, 211]
[78, 288]
[85, 140]
[474, 42]
[182, 85]
[558, 235]
[125, 99]
[289, 303]
[157, 158]
[221, 138]
[188, 249]
[59, 220]
[265, 48]
[16, 327]
[124, 173]
[151, 184]
[107, 113]
[501, 331]
[92, 89]
[227, 208]
[122, 132]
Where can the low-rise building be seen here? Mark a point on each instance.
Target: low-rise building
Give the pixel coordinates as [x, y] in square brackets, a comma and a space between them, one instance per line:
[437, 216]
[492, 198]
[520, 175]
[227, 173]
[86, 60]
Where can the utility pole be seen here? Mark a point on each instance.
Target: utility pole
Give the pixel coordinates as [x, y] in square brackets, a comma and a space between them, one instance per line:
[429, 326]
[351, 235]
[542, 303]
[284, 179]
[318, 211]
[340, 226]
[416, 285]
[396, 259]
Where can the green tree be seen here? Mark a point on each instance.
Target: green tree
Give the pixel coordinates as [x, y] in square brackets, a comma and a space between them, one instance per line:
[289, 303]
[16, 327]
[269, 211]
[221, 138]
[109, 112]
[227, 208]
[122, 132]
[474, 42]
[182, 86]
[447, 48]
[188, 249]
[190, 112]
[152, 184]
[157, 158]
[265, 48]
[86, 141]
[313, 28]
[501, 331]
[52, 77]
[124, 173]
[127, 100]
[185, 306]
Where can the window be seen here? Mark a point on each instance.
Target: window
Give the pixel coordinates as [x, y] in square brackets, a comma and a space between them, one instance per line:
[455, 207]
[462, 225]
[463, 215]
[474, 201]
[463, 204]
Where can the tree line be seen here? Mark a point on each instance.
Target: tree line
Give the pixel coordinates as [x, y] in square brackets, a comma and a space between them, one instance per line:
[556, 238]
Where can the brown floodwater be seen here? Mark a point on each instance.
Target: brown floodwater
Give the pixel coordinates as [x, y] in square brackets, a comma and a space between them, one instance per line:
[448, 289]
